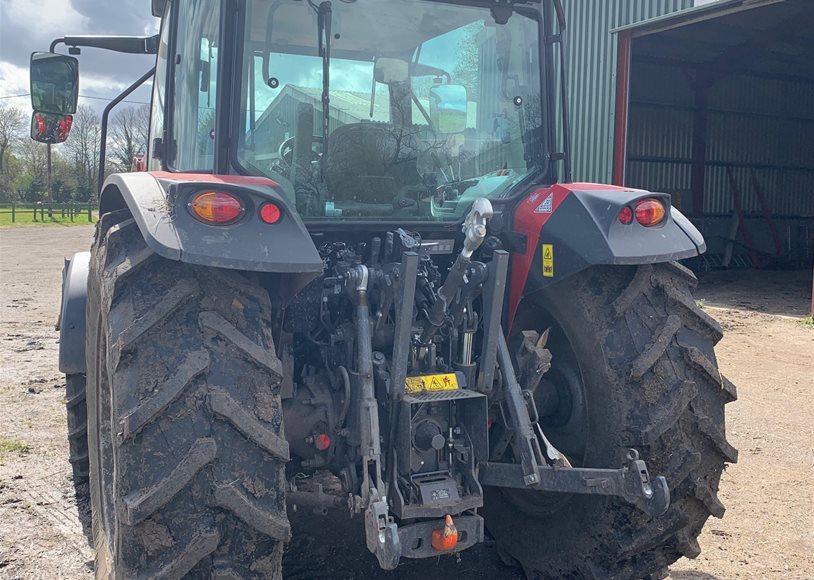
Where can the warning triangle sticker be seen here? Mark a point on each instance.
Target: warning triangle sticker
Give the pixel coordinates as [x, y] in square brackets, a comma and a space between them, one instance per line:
[548, 254]
[436, 384]
[547, 206]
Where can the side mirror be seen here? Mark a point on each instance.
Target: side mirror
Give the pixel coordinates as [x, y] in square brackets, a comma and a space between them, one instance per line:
[391, 70]
[54, 83]
[448, 108]
[50, 128]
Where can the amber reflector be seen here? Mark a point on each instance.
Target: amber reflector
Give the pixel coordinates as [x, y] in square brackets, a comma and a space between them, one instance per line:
[216, 207]
[650, 212]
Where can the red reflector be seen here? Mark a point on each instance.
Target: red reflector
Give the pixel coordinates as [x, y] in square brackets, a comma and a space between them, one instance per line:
[322, 442]
[626, 215]
[216, 207]
[650, 212]
[270, 213]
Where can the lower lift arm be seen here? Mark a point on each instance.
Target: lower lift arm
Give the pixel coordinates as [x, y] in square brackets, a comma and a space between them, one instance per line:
[546, 470]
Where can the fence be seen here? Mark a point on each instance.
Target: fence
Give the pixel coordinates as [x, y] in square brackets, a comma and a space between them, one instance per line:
[69, 211]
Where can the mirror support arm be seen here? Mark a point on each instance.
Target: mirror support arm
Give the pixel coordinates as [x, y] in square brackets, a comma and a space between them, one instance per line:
[126, 44]
[106, 114]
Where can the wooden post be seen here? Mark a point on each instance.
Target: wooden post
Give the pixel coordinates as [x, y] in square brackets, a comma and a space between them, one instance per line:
[73, 203]
[90, 213]
[13, 211]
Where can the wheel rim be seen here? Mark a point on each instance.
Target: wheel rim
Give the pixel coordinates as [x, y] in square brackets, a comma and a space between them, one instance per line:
[562, 404]
[561, 400]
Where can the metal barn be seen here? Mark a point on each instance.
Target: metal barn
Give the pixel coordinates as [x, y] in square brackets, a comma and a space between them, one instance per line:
[715, 105]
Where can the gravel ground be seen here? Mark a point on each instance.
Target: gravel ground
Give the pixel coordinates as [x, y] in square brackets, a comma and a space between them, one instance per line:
[768, 530]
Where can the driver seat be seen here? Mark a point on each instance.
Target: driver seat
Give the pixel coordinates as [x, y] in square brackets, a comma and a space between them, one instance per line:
[371, 162]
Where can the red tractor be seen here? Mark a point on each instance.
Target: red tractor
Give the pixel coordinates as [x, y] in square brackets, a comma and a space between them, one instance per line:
[357, 256]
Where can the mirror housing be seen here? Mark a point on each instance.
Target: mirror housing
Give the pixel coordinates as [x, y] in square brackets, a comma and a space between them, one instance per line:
[448, 108]
[54, 83]
[50, 128]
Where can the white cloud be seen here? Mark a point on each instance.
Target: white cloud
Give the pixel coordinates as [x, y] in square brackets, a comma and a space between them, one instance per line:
[14, 80]
[55, 17]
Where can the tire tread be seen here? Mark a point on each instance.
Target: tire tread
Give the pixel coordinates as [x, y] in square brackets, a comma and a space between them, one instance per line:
[172, 335]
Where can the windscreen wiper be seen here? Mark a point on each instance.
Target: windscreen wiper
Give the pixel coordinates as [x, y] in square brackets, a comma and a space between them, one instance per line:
[324, 17]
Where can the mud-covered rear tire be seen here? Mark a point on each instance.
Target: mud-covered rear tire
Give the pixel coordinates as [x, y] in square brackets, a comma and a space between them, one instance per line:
[644, 360]
[77, 419]
[185, 423]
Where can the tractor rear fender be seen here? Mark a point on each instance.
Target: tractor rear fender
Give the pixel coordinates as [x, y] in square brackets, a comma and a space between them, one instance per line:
[571, 227]
[158, 204]
[71, 322]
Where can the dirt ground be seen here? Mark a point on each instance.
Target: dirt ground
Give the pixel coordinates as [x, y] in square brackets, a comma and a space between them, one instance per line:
[768, 530]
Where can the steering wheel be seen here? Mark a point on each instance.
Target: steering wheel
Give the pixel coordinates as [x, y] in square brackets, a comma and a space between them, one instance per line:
[286, 149]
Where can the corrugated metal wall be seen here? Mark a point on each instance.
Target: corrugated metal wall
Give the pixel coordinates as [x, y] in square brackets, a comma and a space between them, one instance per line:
[592, 75]
[762, 130]
[660, 127]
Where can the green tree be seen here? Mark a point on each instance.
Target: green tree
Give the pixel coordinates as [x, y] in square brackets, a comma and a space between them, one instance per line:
[12, 125]
[29, 182]
[82, 149]
[63, 178]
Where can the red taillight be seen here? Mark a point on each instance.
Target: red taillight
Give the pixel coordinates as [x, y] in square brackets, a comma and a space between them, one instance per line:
[270, 213]
[626, 215]
[322, 442]
[216, 208]
[650, 212]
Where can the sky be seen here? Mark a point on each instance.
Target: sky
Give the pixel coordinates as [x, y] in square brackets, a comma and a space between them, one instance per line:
[30, 25]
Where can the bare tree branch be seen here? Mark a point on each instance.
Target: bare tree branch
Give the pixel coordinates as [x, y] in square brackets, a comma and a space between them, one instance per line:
[128, 136]
[12, 124]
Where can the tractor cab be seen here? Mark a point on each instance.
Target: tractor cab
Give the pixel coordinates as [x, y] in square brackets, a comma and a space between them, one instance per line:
[356, 114]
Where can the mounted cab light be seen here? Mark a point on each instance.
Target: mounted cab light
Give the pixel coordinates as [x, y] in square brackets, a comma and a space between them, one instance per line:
[216, 208]
[270, 213]
[626, 215]
[650, 212]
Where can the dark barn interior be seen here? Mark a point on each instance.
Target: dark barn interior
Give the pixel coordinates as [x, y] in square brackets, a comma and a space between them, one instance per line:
[720, 114]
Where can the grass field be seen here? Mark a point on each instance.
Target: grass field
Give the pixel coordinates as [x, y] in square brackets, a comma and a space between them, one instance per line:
[25, 217]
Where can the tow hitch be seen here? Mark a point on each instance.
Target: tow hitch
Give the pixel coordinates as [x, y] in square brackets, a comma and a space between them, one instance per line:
[542, 467]
[631, 483]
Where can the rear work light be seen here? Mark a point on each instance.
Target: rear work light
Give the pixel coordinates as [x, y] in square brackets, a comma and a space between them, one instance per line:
[216, 208]
[650, 212]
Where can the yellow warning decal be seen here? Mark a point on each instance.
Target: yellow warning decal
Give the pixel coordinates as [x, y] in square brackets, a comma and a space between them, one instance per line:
[548, 260]
[425, 383]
